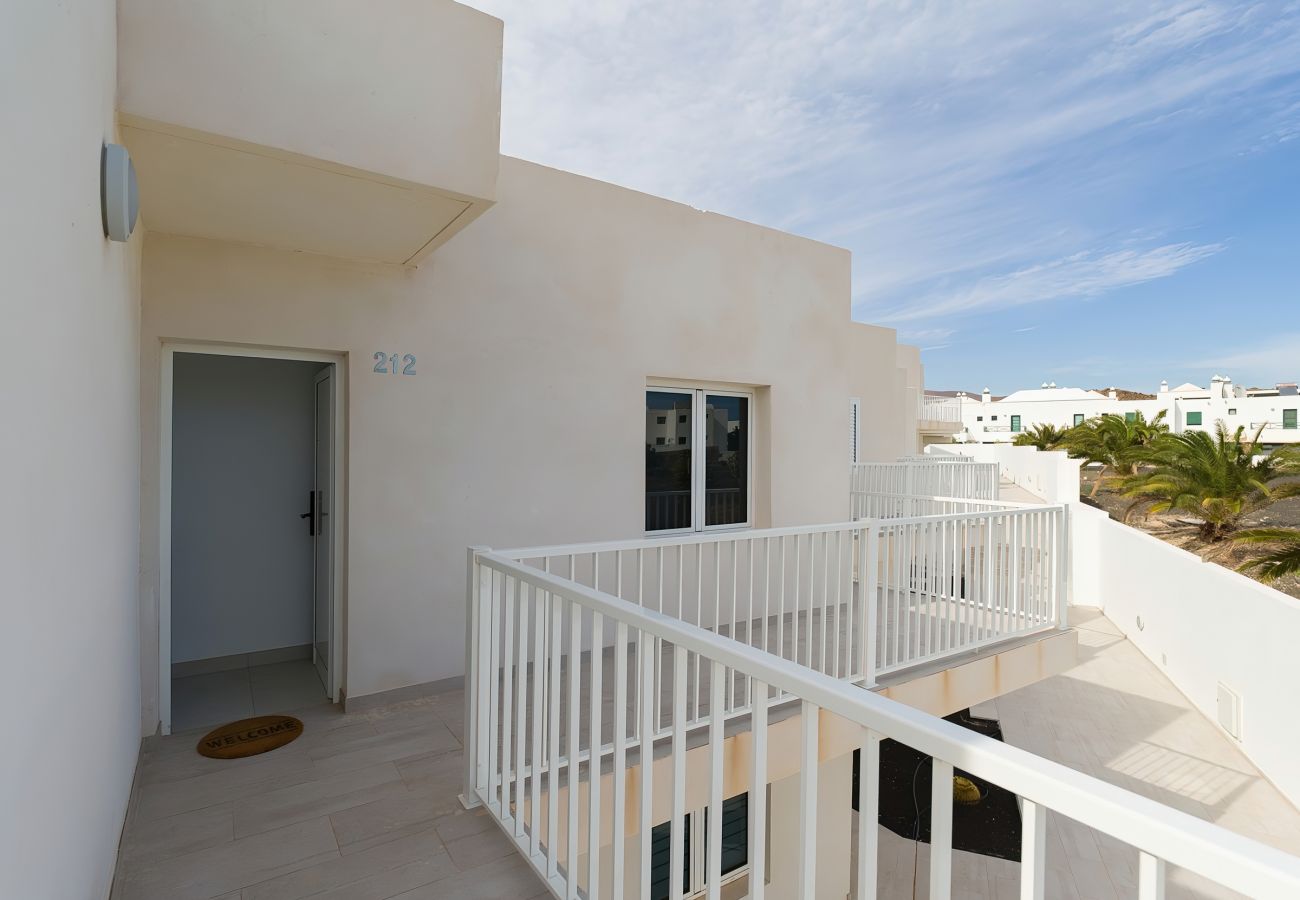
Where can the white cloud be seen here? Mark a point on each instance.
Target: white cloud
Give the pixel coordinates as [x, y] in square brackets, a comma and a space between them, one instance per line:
[1079, 275]
[925, 335]
[1270, 360]
[987, 150]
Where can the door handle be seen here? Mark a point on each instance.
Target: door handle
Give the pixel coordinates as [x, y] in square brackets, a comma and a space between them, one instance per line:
[310, 514]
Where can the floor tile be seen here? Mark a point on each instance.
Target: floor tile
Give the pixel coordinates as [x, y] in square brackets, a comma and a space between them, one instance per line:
[221, 869]
[209, 700]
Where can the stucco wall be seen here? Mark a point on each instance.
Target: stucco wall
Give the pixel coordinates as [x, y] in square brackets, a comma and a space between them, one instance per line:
[1204, 625]
[69, 453]
[387, 76]
[535, 332]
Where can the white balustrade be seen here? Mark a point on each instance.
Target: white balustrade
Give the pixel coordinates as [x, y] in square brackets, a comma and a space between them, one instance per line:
[933, 476]
[939, 409]
[545, 723]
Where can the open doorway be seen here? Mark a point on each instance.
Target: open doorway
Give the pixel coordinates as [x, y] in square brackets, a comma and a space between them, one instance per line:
[250, 550]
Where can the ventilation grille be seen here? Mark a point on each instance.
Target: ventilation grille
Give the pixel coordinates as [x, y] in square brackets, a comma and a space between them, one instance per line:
[1230, 711]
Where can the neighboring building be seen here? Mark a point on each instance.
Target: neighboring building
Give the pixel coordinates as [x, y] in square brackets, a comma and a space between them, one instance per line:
[1187, 406]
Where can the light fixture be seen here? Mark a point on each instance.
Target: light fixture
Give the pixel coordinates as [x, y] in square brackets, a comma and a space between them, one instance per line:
[119, 195]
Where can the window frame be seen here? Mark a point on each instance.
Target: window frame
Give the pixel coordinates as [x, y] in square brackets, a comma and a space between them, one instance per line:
[1078, 420]
[1015, 423]
[696, 851]
[699, 397]
[1294, 421]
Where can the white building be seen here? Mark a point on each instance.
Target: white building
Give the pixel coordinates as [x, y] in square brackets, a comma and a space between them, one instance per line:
[261, 453]
[1187, 406]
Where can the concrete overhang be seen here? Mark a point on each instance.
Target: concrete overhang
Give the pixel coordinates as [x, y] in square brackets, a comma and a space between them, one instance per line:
[208, 186]
[364, 131]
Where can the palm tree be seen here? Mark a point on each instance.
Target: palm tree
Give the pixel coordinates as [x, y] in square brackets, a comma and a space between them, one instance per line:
[1215, 479]
[1115, 442]
[1283, 557]
[1044, 436]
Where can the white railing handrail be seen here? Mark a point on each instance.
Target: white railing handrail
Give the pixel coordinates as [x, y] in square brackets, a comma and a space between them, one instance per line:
[972, 480]
[1164, 833]
[674, 540]
[996, 504]
[932, 408]
[714, 537]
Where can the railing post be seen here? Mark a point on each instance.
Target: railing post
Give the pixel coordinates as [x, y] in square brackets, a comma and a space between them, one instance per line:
[868, 583]
[1033, 851]
[1065, 568]
[809, 760]
[1151, 877]
[868, 815]
[940, 830]
[469, 797]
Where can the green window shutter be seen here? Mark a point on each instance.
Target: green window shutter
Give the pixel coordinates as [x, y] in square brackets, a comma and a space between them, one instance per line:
[735, 833]
[1193, 418]
[1015, 423]
[661, 860]
[1130, 417]
[735, 846]
[1288, 418]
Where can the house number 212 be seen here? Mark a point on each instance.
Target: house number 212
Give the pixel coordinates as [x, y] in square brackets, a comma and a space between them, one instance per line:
[388, 365]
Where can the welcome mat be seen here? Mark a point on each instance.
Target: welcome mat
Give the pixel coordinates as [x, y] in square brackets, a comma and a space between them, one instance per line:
[249, 737]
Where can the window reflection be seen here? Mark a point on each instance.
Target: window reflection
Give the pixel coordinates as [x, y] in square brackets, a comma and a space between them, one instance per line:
[667, 460]
[726, 460]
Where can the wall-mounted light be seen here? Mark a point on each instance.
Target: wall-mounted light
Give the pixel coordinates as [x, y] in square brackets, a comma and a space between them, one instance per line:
[119, 195]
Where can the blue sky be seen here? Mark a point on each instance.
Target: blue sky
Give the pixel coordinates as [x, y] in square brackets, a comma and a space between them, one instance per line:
[1090, 193]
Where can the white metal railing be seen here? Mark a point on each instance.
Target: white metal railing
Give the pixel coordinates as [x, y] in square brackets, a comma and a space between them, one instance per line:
[870, 505]
[939, 409]
[545, 722]
[935, 476]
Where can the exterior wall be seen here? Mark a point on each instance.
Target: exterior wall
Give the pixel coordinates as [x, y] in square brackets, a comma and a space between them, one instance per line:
[834, 832]
[69, 449]
[536, 332]
[913, 375]
[380, 98]
[1204, 625]
[1251, 411]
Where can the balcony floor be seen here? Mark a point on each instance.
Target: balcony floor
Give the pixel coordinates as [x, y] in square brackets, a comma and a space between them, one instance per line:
[363, 806]
[1114, 716]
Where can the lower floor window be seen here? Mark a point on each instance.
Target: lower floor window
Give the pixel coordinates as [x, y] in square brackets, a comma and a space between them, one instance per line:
[697, 459]
[1193, 418]
[695, 849]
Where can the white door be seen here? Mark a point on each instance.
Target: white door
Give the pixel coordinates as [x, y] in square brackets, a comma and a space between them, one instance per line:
[322, 526]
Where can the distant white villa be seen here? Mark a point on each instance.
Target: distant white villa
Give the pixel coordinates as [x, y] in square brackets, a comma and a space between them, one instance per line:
[1188, 406]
